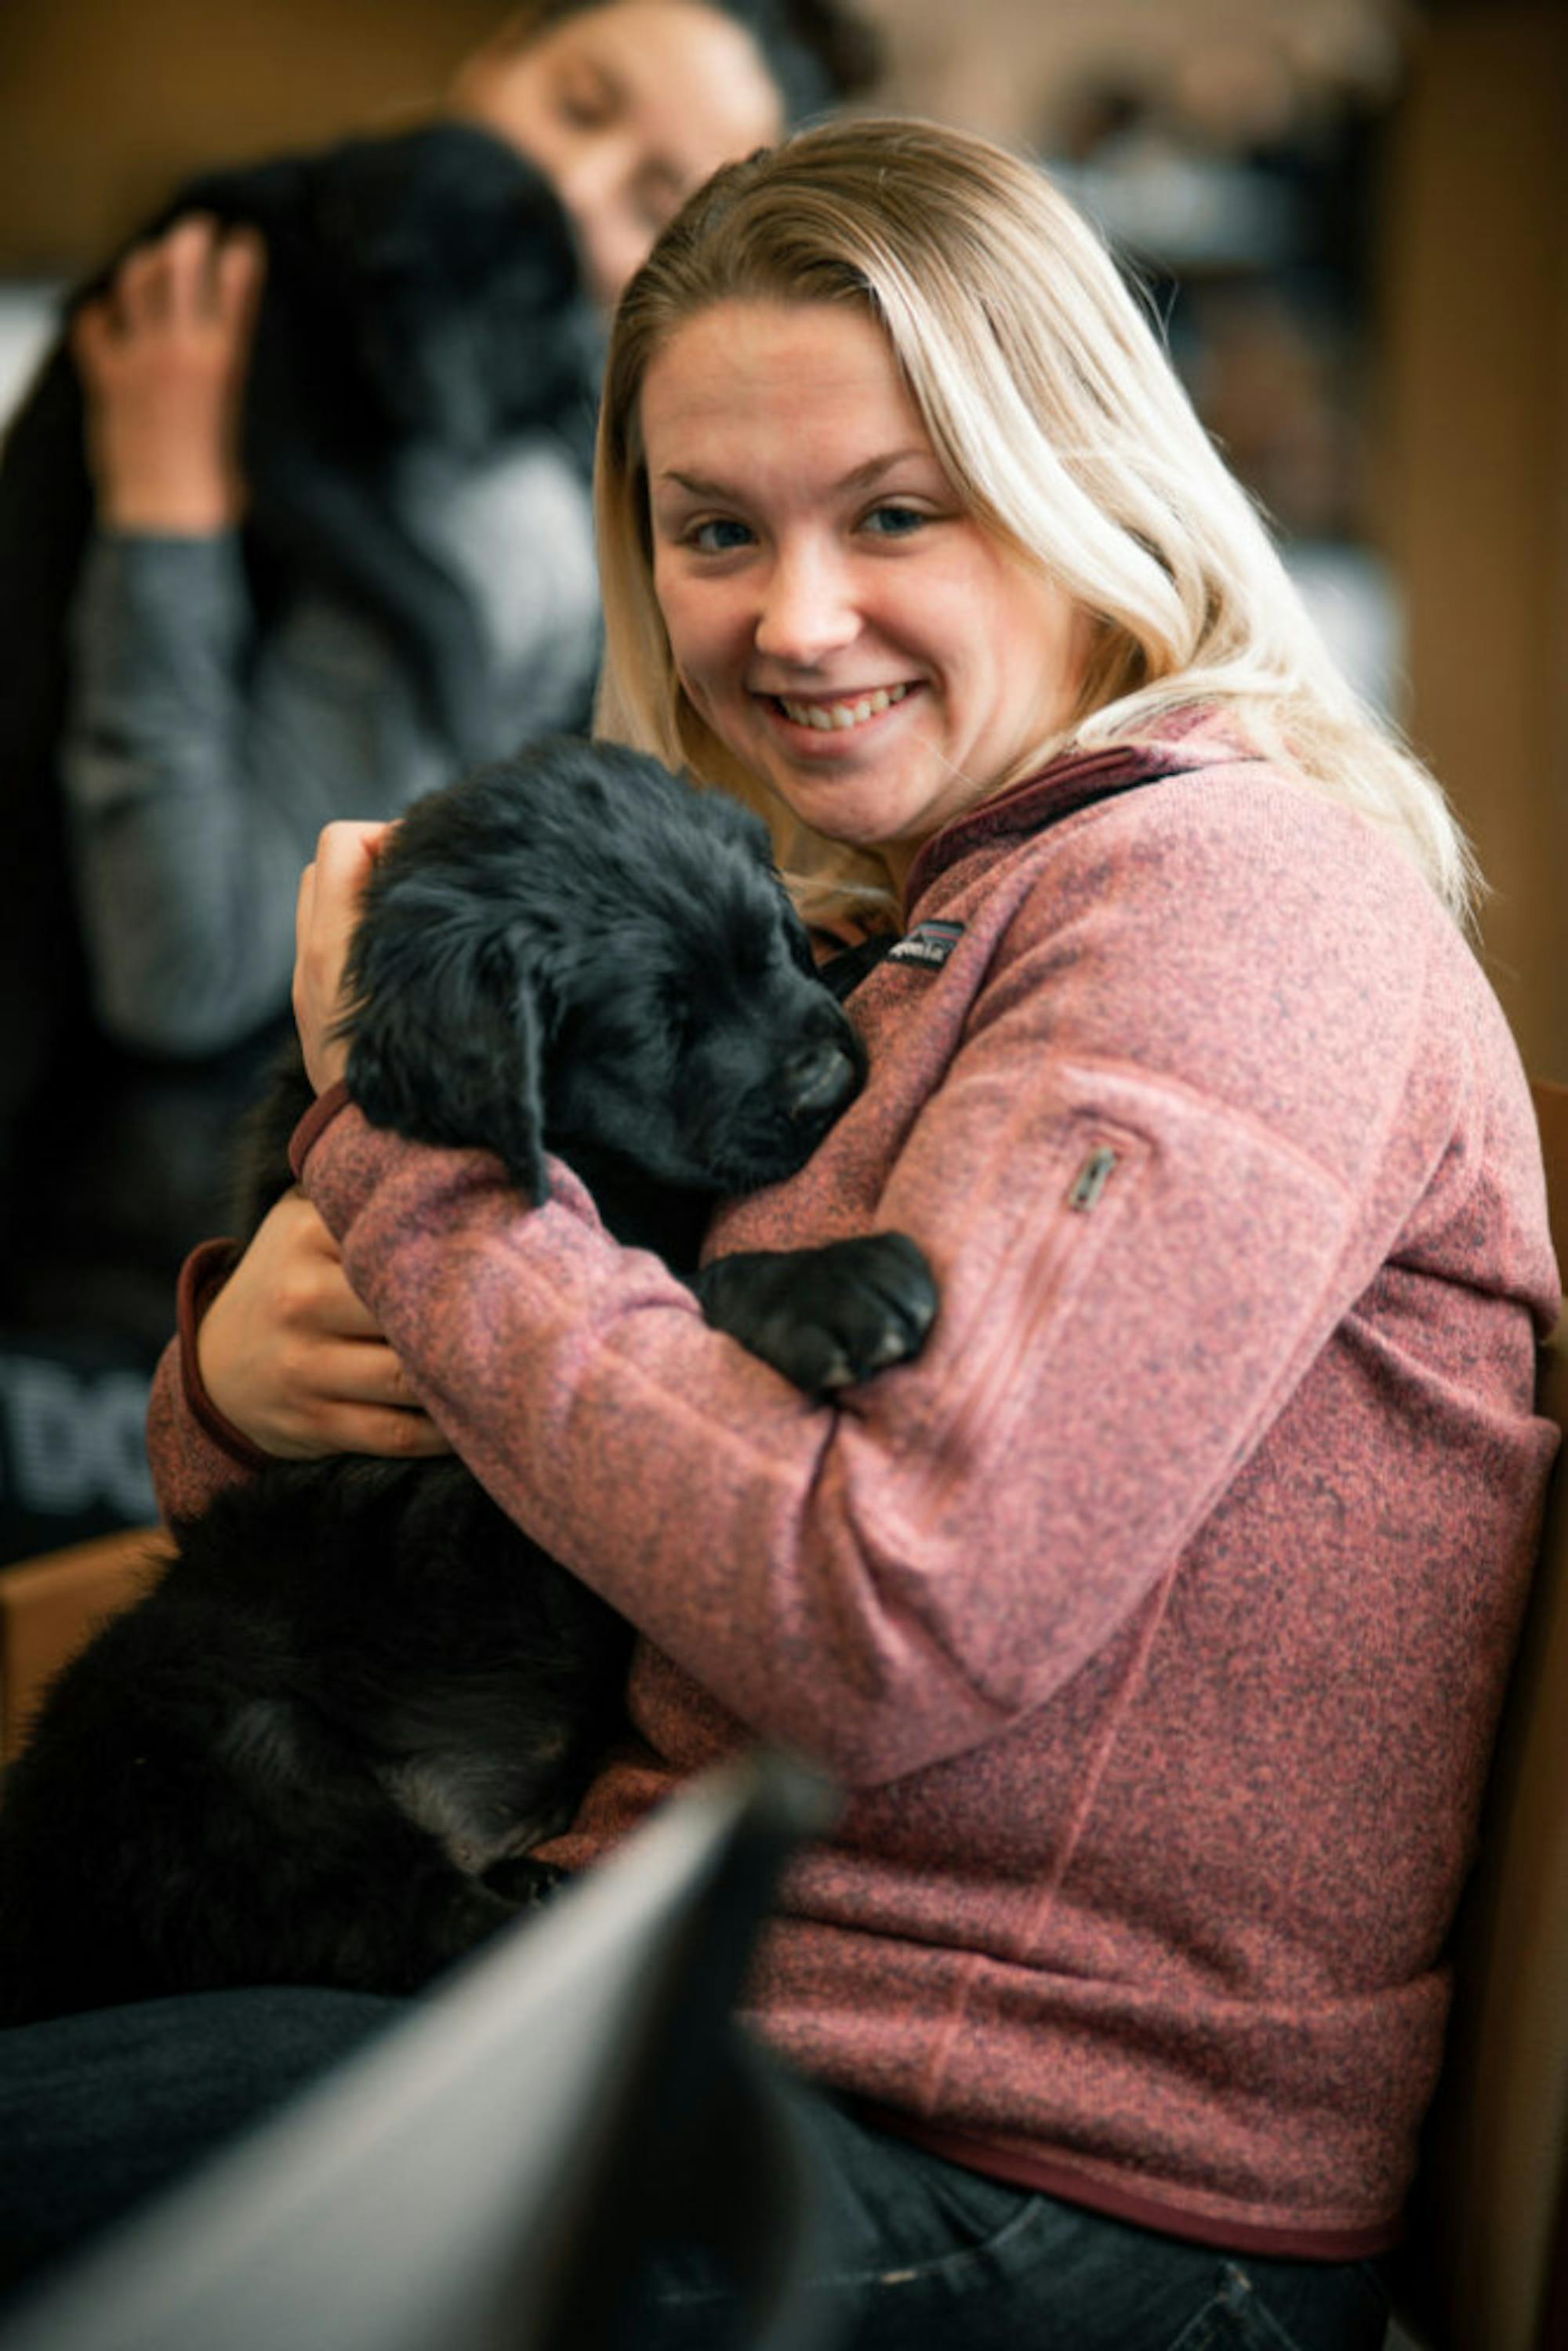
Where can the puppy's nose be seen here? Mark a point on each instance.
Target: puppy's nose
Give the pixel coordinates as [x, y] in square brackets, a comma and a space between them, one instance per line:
[819, 1079]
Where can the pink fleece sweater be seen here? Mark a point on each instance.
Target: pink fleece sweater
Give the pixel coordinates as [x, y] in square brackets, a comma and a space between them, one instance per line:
[1157, 1618]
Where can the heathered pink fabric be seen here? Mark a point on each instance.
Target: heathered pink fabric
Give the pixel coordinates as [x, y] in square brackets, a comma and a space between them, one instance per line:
[1157, 1618]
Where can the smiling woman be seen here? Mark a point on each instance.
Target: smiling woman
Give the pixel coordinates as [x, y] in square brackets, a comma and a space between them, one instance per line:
[1118, 1986]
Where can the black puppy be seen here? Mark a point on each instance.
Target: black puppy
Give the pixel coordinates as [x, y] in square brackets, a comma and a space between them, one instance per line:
[318, 1749]
[421, 290]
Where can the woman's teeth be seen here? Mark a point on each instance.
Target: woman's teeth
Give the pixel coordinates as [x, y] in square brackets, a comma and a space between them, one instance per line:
[825, 717]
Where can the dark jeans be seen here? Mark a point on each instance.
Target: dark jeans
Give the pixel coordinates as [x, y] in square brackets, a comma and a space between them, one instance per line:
[101, 2110]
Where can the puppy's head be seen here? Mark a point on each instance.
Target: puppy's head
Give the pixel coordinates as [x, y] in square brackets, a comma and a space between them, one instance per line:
[577, 950]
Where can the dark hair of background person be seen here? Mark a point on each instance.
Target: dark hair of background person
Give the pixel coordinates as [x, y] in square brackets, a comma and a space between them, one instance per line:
[817, 52]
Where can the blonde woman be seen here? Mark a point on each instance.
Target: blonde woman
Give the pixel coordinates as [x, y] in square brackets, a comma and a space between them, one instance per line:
[1155, 1620]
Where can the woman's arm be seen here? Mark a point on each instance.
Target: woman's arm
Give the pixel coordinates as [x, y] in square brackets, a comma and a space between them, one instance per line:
[154, 755]
[198, 763]
[182, 865]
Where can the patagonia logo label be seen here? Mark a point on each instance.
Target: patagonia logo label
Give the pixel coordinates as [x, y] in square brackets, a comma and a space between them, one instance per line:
[929, 945]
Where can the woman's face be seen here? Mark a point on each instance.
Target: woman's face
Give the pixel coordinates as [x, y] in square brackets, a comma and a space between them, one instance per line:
[626, 109]
[857, 639]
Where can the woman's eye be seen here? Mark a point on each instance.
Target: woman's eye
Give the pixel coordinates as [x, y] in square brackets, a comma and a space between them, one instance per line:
[585, 104]
[895, 521]
[719, 537]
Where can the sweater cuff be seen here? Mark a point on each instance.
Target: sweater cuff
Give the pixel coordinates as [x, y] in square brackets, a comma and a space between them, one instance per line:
[321, 1115]
[201, 1276]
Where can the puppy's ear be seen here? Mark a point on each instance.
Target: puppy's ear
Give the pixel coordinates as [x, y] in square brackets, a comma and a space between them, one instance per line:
[447, 1039]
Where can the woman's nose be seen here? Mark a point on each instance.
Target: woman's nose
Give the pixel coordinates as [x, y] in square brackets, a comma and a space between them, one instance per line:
[807, 610]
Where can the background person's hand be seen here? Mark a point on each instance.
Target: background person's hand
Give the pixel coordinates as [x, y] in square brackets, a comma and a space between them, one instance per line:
[292, 1358]
[163, 355]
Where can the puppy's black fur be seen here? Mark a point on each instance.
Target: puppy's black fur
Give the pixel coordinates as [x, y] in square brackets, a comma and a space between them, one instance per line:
[422, 290]
[321, 1747]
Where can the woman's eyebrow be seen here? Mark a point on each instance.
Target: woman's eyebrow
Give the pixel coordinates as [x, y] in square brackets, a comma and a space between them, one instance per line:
[859, 477]
[698, 485]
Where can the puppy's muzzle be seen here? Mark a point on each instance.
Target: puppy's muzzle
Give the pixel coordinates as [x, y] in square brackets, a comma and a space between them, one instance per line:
[821, 1080]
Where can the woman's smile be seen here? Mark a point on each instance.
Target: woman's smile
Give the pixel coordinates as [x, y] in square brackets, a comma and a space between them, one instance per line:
[845, 714]
[837, 616]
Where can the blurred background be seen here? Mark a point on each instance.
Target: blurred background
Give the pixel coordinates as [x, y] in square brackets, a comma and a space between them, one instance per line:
[1351, 215]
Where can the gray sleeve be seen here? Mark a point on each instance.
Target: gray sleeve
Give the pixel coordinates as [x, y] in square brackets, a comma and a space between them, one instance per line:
[199, 768]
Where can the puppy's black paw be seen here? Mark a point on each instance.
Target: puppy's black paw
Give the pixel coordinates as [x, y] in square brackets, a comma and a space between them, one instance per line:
[829, 1317]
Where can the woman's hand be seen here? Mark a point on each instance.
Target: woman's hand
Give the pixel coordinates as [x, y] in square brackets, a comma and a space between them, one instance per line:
[324, 920]
[292, 1358]
[162, 356]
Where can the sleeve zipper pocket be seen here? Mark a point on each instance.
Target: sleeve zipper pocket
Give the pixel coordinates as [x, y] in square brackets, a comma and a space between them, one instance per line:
[1086, 1187]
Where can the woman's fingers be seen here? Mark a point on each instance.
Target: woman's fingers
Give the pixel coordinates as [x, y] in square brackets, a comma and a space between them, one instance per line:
[390, 1434]
[288, 1354]
[163, 355]
[196, 273]
[330, 892]
[237, 283]
[138, 289]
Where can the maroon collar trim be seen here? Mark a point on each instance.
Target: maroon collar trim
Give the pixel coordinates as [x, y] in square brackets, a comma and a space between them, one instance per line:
[1074, 782]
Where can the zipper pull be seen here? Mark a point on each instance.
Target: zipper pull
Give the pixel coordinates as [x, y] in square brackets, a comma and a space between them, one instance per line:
[1091, 1178]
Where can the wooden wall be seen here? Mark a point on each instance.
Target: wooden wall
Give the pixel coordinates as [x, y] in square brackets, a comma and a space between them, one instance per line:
[1475, 461]
[106, 104]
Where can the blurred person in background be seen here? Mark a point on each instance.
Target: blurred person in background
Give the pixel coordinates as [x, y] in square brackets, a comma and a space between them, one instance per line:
[203, 745]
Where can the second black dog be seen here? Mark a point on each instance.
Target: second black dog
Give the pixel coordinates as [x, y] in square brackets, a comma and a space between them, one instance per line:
[322, 1747]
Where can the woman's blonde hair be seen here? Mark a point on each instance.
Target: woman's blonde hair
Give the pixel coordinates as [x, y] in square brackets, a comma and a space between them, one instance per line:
[1063, 428]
